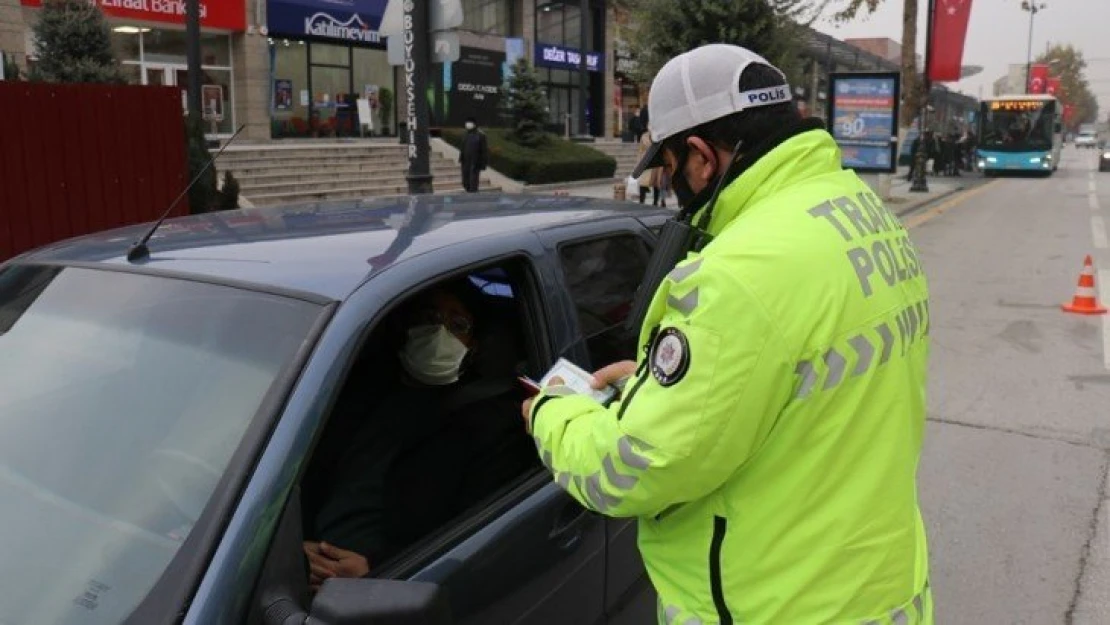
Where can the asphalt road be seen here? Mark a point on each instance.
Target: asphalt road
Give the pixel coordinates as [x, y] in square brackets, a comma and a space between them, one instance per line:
[1014, 474]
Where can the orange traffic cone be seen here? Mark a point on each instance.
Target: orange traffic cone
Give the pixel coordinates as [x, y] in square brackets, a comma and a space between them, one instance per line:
[1086, 298]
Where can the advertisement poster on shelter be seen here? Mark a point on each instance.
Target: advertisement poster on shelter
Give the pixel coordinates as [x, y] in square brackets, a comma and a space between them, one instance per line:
[864, 120]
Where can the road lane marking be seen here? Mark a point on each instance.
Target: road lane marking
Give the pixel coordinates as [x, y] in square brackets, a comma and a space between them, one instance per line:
[1098, 232]
[1093, 201]
[937, 211]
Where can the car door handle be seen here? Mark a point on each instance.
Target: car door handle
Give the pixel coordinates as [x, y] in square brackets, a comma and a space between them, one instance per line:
[567, 532]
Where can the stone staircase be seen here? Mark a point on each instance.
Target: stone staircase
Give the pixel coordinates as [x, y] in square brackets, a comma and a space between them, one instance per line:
[269, 175]
[627, 155]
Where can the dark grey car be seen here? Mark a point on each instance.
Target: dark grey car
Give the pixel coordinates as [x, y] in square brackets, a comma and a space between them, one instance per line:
[160, 421]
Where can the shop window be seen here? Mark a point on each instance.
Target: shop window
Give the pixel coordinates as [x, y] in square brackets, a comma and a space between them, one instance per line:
[560, 24]
[333, 108]
[549, 25]
[215, 50]
[372, 73]
[221, 77]
[326, 54]
[560, 77]
[572, 28]
[164, 46]
[487, 16]
[125, 45]
[169, 46]
[291, 113]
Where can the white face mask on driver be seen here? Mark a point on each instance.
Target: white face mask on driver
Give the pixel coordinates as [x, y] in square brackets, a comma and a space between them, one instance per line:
[432, 355]
[470, 125]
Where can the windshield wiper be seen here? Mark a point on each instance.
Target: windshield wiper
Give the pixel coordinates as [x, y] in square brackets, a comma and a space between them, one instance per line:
[140, 250]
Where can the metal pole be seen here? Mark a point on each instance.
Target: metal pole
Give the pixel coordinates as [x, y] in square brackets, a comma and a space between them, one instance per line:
[920, 183]
[583, 71]
[1029, 49]
[192, 56]
[415, 36]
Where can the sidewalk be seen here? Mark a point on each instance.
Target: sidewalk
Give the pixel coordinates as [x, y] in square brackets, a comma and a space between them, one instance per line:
[901, 200]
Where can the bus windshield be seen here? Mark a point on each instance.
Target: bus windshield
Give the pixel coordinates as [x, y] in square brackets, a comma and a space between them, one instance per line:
[1018, 126]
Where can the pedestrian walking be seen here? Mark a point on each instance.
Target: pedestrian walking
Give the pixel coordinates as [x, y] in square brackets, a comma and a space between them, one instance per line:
[649, 179]
[635, 126]
[474, 156]
[768, 434]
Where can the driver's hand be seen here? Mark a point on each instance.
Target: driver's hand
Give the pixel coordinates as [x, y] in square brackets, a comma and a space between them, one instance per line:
[326, 561]
[614, 373]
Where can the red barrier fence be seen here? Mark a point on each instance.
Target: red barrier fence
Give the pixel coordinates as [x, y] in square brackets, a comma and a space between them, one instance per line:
[76, 159]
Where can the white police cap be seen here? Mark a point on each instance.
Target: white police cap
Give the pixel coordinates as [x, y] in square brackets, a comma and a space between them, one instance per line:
[700, 86]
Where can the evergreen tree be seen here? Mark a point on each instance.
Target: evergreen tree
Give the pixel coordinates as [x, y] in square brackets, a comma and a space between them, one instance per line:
[666, 28]
[526, 104]
[74, 44]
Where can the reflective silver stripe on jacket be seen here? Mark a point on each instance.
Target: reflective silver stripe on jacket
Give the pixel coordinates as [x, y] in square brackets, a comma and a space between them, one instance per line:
[913, 613]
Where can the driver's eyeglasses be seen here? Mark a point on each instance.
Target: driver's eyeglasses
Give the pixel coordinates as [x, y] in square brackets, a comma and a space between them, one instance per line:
[455, 323]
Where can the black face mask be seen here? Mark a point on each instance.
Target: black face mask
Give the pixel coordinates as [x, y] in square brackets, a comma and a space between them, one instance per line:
[689, 201]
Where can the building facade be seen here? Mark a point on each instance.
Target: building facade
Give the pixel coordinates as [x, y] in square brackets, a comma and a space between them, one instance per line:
[148, 38]
[296, 68]
[1013, 82]
[288, 69]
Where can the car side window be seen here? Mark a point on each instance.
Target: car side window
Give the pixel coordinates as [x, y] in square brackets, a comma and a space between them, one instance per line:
[602, 276]
[427, 426]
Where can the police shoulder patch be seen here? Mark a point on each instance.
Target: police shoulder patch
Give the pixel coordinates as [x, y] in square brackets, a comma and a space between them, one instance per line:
[670, 357]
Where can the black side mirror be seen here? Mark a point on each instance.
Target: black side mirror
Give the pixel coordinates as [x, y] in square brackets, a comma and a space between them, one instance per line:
[379, 602]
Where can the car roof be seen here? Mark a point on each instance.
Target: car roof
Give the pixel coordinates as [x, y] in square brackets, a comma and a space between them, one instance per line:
[329, 248]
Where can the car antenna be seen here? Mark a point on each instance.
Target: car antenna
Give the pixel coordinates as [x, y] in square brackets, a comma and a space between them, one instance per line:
[139, 249]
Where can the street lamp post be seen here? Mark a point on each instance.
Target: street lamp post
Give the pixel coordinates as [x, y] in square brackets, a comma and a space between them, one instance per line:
[920, 158]
[583, 67]
[1033, 7]
[192, 57]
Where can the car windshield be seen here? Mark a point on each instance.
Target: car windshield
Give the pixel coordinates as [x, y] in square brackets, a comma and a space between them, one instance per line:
[122, 399]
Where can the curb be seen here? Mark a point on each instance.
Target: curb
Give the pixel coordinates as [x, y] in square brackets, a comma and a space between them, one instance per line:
[930, 201]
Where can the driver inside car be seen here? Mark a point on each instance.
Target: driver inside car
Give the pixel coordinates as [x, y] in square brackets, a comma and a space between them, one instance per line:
[443, 439]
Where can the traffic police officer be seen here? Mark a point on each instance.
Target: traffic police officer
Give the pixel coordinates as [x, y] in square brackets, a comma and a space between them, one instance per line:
[768, 436]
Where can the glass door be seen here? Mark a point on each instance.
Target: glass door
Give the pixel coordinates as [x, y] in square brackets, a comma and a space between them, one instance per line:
[168, 75]
[157, 75]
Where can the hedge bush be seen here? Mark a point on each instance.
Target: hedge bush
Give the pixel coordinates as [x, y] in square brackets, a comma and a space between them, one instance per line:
[556, 160]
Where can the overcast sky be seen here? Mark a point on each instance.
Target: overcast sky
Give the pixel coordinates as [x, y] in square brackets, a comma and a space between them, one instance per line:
[999, 35]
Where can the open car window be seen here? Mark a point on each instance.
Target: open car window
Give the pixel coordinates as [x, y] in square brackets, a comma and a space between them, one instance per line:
[402, 461]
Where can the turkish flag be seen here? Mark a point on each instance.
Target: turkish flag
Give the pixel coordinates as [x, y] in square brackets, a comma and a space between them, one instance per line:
[946, 49]
[1038, 79]
[1053, 86]
[1069, 113]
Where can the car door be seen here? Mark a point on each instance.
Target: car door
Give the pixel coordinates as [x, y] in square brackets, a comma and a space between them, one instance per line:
[600, 267]
[531, 556]
[535, 556]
